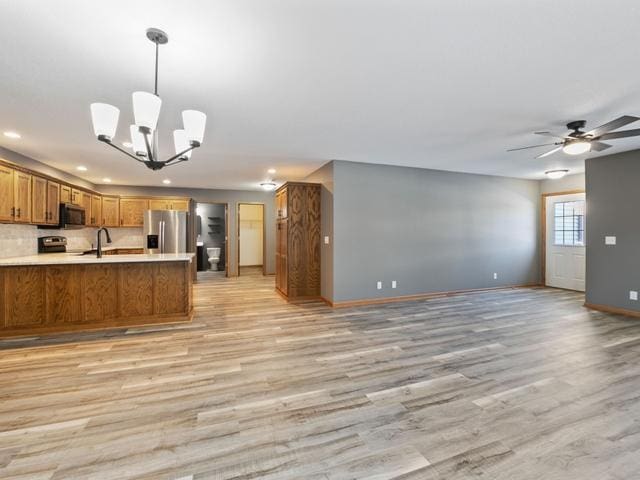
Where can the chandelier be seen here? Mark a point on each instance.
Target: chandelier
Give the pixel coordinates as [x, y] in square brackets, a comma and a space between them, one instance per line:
[146, 110]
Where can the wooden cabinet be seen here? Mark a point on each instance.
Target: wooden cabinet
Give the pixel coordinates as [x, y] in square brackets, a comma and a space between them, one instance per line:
[21, 197]
[85, 202]
[39, 211]
[132, 211]
[298, 240]
[95, 219]
[110, 211]
[169, 204]
[53, 202]
[6, 194]
[65, 194]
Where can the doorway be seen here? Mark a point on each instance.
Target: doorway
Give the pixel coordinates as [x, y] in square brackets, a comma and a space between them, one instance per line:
[212, 241]
[251, 238]
[564, 240]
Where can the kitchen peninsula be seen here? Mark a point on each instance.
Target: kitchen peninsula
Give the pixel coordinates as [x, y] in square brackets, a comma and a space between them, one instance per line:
[54, 293]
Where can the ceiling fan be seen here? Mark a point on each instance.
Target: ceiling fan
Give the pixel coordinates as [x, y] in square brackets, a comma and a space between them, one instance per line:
[578, 142]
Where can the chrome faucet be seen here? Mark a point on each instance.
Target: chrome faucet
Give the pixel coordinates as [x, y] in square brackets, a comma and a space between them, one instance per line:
[99, 249]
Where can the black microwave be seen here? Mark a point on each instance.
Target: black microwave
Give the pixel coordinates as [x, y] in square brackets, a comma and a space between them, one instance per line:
[71, 216]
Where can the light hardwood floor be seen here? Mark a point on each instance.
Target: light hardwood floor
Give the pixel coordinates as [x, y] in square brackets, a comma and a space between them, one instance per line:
[515, 384]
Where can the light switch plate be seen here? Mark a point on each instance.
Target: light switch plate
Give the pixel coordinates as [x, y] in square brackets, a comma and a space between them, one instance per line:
[379, 285]
[633, 295]
[495, 275]
[326, 240]
[610, 240]
[394, 284]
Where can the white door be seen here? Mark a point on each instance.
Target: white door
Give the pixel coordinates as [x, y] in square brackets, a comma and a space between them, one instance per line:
[565, 250]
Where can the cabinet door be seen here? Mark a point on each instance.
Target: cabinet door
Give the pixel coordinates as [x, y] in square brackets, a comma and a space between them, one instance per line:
[85, 202]
[76, 196]
[158, 204]
[281, 201]
[65, 194]
[53, 203]
[181, 205]
[22, 197]
[132, 211]
[110, 211]
[96, 210]
[39, 212]
[6, 194]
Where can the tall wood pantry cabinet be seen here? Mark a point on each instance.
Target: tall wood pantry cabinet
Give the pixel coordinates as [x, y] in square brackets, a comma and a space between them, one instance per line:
[298, 240]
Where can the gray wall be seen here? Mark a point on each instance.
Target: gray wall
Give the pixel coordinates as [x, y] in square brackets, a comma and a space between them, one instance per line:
[613, 198]
[324, 175]
[232, 197]
[564, 184]
[430, 231]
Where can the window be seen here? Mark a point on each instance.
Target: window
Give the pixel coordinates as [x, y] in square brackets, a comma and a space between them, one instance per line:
[569, 223]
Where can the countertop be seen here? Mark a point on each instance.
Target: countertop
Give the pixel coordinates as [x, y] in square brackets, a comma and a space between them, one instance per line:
[77, 259]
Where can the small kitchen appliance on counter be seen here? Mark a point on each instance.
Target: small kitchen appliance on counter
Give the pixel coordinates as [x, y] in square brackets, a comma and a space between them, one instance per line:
[52, 244]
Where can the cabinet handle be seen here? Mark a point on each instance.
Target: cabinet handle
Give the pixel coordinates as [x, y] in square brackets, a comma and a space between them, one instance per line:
[104, 221]
[121, 221]
[13, 211]
[18, 213]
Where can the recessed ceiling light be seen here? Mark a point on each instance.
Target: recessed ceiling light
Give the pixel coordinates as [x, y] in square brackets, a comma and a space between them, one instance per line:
[166, 181]
[12, 134]
[555, 174]
[127, 144]
[271, 171]
[81, 168]
[577, 147]
[268, 186]
[106, 180]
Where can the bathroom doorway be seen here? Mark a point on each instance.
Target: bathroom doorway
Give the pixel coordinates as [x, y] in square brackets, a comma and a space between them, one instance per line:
[251, 238]
[212, 239]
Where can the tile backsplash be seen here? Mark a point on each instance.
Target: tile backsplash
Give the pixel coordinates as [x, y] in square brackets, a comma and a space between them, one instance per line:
[20, 240]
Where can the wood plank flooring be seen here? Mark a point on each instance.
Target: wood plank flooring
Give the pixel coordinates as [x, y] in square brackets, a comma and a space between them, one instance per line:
[516, 384]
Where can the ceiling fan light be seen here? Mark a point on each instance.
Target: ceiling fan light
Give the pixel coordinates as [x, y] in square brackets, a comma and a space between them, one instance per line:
[194, 123]
[577, 147]
[105, 119]
[146, 109]
[181, 143]
[556, 174]
[137, 139]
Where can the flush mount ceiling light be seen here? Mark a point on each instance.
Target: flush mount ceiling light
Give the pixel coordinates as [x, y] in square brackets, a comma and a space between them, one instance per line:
[106, 180]
[15, 135]
[166, 181]
[555, 174]
[268, 186]
[146, 110]
[81, 168]
[271, 171]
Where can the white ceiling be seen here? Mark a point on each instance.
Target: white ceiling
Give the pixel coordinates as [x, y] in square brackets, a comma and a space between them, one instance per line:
[292, 84]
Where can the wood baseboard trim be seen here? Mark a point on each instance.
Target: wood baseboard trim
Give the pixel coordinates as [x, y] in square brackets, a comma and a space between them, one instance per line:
[422, 296]
[614, 310]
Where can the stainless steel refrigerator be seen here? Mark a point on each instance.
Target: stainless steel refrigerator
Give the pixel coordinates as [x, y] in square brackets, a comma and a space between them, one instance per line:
[165, 231]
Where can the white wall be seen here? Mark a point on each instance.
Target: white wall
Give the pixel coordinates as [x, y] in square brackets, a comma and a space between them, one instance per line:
[251, 234]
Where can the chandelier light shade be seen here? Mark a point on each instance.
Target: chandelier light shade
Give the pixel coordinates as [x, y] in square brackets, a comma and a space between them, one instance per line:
[181, 143]
[105, 119]
[577, 147]
[146, 111]
[194, 123]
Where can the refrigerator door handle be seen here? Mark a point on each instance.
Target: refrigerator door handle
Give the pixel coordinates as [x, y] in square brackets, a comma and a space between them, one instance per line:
[161, 228]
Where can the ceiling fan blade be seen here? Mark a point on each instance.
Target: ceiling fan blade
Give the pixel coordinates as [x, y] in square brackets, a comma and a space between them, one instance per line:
[612, 125]
[549, 134]
[623, 134]
[532, 146]
[599, 146]
[550, 152]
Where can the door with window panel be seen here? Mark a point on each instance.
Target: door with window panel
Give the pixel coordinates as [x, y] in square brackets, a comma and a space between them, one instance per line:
[565, 237]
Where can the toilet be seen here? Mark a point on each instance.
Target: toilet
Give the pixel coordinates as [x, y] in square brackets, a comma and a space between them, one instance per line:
[214, 258]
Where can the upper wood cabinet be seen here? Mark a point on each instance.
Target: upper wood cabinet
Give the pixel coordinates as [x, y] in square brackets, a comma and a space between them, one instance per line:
[76, 196]
[132, 211]
[281, 203]
[95, 219]
[169, 204]
[22, 197]
[65, 194]
[85, 202]
[6, 194]
[53, 202]
[110, 211]
[39, 211]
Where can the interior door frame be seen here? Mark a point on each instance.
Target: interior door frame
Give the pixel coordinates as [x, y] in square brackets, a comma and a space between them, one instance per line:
[543, 230]
[226, 233]
[264, 235]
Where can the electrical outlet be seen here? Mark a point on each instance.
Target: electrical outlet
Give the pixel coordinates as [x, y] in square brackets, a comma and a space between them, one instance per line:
[379, 286]
[394, 284]
[633, 295]
[495, 275]
[609, 240]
